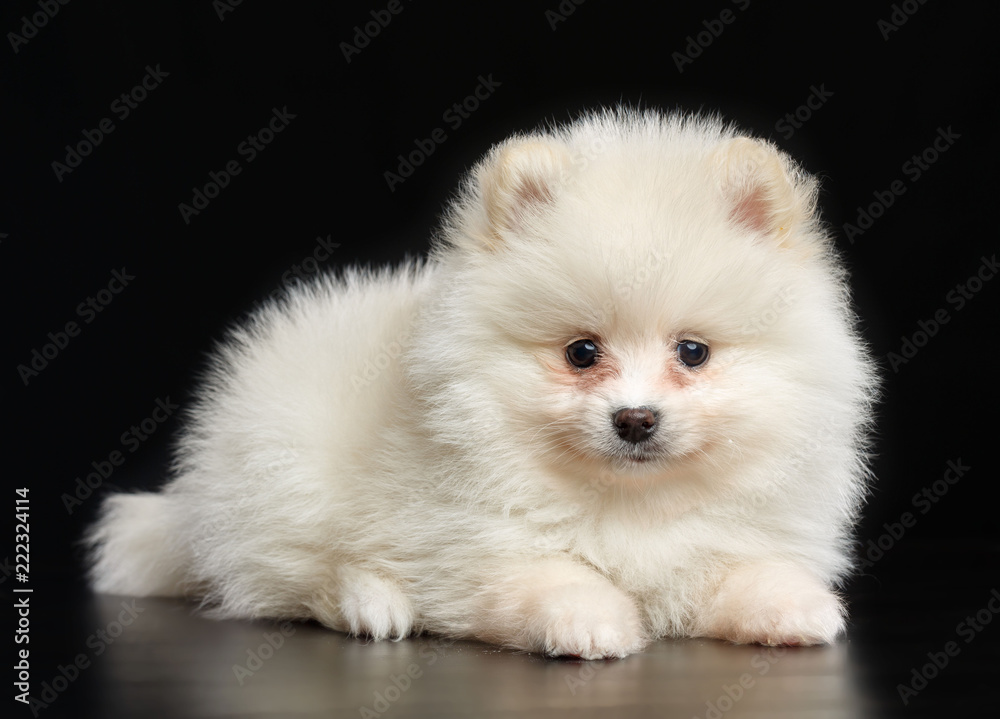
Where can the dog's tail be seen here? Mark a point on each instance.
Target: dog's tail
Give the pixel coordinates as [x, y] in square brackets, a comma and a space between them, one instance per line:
[136, 547]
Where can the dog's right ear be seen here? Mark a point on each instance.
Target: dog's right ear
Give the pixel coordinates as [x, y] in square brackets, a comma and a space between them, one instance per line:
[517, 181]
[765, 191]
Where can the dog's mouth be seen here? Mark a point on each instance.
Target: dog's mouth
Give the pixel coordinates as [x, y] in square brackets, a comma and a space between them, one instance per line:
[634, 456]
[638, 456]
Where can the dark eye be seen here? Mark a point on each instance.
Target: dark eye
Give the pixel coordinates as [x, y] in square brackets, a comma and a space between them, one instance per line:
[582, 353]
[692, 353]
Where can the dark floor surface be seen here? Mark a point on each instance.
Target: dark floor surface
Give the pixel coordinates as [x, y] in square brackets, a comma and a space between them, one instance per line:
[157, 658]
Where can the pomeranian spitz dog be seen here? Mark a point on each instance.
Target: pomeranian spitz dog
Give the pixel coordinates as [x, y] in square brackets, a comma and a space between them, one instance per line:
[623, 399]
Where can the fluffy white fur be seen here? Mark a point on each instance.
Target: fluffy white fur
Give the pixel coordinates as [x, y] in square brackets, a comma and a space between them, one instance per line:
[410, 450]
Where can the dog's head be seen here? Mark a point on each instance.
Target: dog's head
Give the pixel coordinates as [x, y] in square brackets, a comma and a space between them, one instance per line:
[644, 293]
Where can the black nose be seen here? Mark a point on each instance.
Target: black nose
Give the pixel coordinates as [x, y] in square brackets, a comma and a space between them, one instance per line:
[635, 424]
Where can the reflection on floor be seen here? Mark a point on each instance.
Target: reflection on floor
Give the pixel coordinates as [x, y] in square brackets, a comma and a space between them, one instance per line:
[912, 651]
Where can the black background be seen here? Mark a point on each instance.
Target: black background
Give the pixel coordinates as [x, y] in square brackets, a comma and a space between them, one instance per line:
[324, 175]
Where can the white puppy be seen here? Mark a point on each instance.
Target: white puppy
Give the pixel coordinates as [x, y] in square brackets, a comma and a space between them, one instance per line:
[623, 399]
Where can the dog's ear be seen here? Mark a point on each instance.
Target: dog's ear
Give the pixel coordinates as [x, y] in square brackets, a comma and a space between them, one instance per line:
[517, 181]
[765, 192]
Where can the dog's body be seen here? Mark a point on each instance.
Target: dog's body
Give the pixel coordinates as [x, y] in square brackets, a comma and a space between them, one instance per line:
[522, 440]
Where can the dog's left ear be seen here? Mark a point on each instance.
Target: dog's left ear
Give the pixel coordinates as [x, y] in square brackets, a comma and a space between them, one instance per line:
[518, 180]
[765, 191]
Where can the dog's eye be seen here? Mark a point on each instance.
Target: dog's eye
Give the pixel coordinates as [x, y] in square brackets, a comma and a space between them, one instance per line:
[692, 353]
[582, 353]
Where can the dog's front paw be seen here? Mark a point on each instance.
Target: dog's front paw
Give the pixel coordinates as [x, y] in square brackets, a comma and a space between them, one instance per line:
[589, 622]
[560, 608]
[775, 605]
[365, 604]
